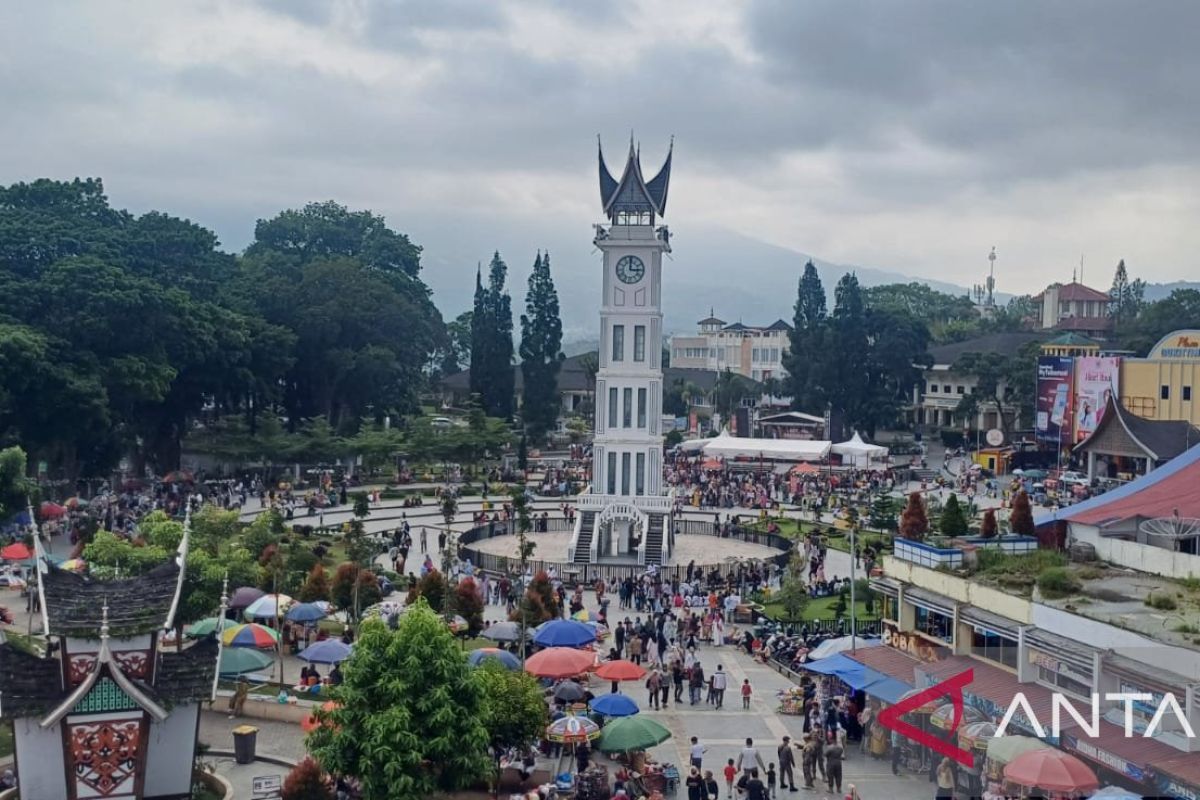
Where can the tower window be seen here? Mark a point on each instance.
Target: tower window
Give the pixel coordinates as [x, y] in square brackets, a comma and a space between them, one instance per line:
[640, 486]
[612, 473]
[1187, 394]
[627, 417]
[625, 470]
[639, 342]
[641, 414]
[618, 343]
[612, 407]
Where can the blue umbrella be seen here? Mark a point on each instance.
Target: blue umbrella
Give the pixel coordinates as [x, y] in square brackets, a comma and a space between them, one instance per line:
[564, 633]
[305, 612]
[615, 705]
[1115, 793]
[503, 657]
[326, 651]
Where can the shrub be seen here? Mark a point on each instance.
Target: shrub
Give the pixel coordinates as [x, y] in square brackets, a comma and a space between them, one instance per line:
[1162, 602]
[989, 529]
[1021, 519]
[913, 522]
[306, 782]
[953, 521]
[1056, 582]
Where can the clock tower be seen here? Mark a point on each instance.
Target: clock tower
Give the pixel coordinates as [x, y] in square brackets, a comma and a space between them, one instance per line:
[625, 519]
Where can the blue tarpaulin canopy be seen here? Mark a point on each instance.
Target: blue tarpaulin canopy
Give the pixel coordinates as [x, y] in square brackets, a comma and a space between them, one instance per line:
[889, 690]
[860, 676]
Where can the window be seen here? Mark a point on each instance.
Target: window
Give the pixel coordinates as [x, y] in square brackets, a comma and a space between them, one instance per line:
[934, 623]
[618, 343]
[1069, 685]
[640, 484]
[946, 388]
[994, 647]
[641, 414]
[774, 354]
[612, 473]
[933, 388]
[1164, 392]
[712, 352]
[625, 470]
[639, 342]
[627, 412]
[958, 389]
[612, 407]
[675, 353]
[1187, 394]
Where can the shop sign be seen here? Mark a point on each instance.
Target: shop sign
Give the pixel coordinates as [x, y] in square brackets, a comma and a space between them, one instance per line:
[994, 711]
[1172, 788]
[1115, 763]
[913, 643]
[1040, 659]
[1180, 345]
[1147, 708]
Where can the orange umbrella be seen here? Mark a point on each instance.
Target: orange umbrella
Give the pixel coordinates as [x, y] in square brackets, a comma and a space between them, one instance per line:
[310, 722]
[50, 510]
[16, 552]
[560, 662]
[620, 670]
[805, 469]
[711, 463]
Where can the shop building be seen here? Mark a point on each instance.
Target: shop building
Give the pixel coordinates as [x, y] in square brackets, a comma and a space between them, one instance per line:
[1161, 386]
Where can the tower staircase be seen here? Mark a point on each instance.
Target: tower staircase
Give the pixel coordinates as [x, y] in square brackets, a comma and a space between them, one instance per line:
[583, 542]
[656, 549]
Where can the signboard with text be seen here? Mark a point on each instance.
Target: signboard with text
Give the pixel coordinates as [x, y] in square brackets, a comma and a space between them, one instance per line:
[1052, 420]
[1096, 380]
[1178, 346]
[915, 644]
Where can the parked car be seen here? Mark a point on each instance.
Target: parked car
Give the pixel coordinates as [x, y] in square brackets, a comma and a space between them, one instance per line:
[1074, 478]
[1032, 474]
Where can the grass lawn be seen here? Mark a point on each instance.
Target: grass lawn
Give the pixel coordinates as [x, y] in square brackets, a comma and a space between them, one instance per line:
[820, 608]
[6, 739]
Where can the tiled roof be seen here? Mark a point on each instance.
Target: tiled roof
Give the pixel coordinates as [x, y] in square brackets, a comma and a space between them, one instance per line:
[994, 684]
[889, 661]
[32, 685]
[74, 602]
[1076, 291]
[186, 677]
[1072, 339]
[1084, 324]
[1003, 343]
[1162, 438]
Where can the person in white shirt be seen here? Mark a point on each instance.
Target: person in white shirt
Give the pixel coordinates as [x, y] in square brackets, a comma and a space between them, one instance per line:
[749, 758]
[718, 686]
[697, 752]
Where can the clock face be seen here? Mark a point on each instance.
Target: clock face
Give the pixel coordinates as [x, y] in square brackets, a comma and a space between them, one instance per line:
[630, 269]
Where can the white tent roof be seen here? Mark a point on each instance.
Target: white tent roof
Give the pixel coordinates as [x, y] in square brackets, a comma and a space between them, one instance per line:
[693, 445]
[785, 449]
[857, 447]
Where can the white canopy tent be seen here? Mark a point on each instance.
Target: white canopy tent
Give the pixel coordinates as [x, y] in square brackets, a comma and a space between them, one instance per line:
[729, 447]
[692, 445]
[858, 453]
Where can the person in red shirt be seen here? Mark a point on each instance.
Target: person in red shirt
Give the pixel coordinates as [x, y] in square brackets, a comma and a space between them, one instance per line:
[746, 692]
[730, 776]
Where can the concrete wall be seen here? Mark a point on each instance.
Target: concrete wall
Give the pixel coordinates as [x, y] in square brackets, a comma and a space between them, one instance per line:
[1101, 635]
[171, 750]
[1142, 557]
[1015, 608]
[39, 761]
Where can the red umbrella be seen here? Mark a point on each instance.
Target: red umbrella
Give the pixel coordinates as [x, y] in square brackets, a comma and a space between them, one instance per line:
[15, 552]
[51, 510]
[560, 662]
[620, 670]
[1053, 770]
[805, 469]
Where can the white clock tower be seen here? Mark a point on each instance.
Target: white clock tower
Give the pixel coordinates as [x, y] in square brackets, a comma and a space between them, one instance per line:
[625, 518]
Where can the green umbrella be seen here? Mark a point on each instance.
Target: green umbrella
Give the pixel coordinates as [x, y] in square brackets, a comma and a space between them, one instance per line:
[628, 734]
[240, 660]
[206, 626]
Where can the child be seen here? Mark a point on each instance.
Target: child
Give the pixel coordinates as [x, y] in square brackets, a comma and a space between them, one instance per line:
[771, 779]
[746, 693]
[730, 774]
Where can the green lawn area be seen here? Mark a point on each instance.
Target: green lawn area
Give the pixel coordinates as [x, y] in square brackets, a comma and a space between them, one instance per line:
[820, 608]
[6, 739]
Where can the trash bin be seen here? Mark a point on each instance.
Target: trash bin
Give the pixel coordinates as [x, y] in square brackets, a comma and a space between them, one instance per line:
[245, 738]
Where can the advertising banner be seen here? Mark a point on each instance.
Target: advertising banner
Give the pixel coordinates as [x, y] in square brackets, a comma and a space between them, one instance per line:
[1096, 381]
[1053, 420]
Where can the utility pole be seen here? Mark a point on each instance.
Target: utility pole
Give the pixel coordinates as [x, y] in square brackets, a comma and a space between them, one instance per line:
[853, 614]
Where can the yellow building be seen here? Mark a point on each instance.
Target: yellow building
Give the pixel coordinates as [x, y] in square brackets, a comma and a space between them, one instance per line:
[1161, 386]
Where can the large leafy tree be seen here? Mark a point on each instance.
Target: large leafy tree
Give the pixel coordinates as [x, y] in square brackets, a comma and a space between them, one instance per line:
[541, 353]
[846, 367]
[1177, 311]
[898, 348]
[1002, 384]
[407, 721]
[513, 710]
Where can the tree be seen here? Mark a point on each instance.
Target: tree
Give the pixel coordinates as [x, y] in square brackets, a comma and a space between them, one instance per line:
[883, 514]
[1125, 296]
[793, 593]
[491, 342]
[937, 310]
[449, 508]
[1178, 311]
[306, 781]
[541, 351]
[1002, 383]
[539, 603]
[456, 354]
[362, 505]
[898, 345]
[514, 711]
[1020, 519]
[316, 586]
[801, 361]
[469, 605]
[432, 587]
[988, 529]
[15, 489]
[408, 721]
[846, 365]
[728, 392]
[913, 522]
[953, 521]
[354, 589]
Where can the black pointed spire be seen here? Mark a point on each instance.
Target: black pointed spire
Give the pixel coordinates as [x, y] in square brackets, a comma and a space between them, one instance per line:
[632, 197]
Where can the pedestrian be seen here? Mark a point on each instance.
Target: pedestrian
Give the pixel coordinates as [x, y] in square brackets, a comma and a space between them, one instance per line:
[712, 791]
[652, 686]
[746, 691]
[787, 765]
[771, 780]
[695, 682]
[808, 761]
[755, 788]
[730, 776]
[945, 779]
[697, 752]
[833, 766]
[897, 745]
[749, 758]
[718, 686]
[677, 680]
[695, 785]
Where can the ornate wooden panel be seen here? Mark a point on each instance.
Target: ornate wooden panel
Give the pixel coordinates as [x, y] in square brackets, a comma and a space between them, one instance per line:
[134, 663]
[79, 667]
[105, 758]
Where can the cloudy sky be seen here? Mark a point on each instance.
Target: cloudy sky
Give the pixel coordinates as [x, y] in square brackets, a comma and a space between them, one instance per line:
[910, 136]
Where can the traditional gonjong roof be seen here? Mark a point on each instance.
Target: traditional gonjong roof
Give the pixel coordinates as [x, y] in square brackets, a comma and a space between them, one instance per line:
[184, 677]
[633, 193]
[32, 685]
[137, 605]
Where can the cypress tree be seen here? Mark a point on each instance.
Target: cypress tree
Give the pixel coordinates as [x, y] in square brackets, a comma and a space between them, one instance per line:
[953, 521]
[541, 338]
[808, 320]
[846, 361]
[480, 354]
[913, 522]
[499, 400]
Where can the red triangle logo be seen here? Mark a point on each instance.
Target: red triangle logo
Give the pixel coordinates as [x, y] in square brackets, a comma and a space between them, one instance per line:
[890, 718]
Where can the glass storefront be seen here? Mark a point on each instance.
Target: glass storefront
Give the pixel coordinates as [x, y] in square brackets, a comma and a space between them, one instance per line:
[993, 646]
[934, 623]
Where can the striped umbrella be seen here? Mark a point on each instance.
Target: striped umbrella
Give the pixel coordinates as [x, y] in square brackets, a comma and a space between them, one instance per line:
[268, 606]
[251, 635]
[572, 730]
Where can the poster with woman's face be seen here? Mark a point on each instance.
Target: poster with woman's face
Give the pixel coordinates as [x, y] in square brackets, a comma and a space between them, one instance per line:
[1096, 382]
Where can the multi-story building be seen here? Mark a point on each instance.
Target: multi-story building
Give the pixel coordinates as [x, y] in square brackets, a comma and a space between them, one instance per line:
[752, 351]
[1075, 307]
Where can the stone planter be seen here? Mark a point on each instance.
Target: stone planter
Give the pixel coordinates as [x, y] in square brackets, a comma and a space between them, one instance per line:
[925, 555]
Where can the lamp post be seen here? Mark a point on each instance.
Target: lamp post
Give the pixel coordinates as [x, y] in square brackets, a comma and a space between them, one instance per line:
[220, 635]
[853, 617]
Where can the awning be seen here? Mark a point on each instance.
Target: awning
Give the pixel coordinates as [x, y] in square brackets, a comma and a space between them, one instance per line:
[887, 660]
[996, 689]
[858, 676]
[889, 690]
[1179, 775]
[1131, 756]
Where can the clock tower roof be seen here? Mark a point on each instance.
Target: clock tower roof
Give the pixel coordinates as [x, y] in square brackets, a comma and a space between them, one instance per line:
[633, 194]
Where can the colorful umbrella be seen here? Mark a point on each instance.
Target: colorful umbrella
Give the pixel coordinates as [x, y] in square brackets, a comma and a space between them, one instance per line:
[305, 612]
[455, 623]
[245, 596]
[241, 660]
[385, 609]
[17, 551]
[504, 632]
[251, 635]
[1053, 770]
[582, 615]
[77, 502]
[179, 476]
[326, 651]
[268, 606]
[927, 707]
[310, 722]
[620, 670]
[943, 717]
[615, 705]
[572, 730]
[50, 510]
[501, 657]
[1003, 749]
[564, 633]
[73, 565]
[976, 735]
[207, 626]
[1115, 793]
[628, 734]
[559, 662]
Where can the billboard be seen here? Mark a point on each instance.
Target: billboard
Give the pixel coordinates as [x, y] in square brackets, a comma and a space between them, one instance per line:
[1096, 380]
[1053, 406]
